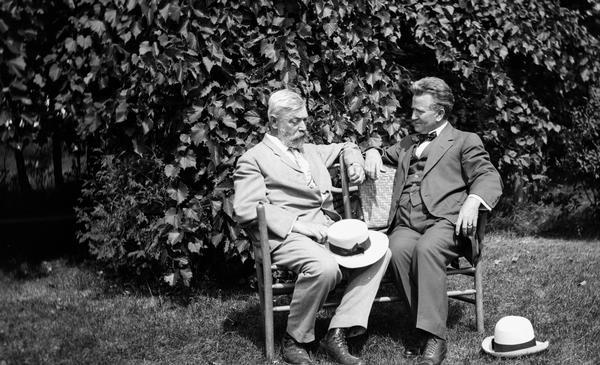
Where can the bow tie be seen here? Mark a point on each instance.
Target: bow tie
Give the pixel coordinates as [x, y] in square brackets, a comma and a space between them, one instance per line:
[420, 138]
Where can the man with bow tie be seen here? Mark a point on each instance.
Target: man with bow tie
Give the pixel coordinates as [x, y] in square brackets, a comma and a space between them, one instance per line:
[292, 180]
[443, 177]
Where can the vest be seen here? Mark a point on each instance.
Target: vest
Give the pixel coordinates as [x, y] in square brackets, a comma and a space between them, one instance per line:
[415, 176]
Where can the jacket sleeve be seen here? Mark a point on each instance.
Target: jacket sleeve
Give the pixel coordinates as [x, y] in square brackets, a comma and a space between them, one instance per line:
[331, 152]
[482, 177]
[389, 155]
[250, 189]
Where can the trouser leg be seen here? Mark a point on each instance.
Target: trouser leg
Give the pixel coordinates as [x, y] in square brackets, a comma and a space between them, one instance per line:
[318, 273]
[355, 306]
[402, 243]
[431, 255]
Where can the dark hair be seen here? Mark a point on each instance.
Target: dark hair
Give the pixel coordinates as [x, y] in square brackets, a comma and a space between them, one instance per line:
[436, 87]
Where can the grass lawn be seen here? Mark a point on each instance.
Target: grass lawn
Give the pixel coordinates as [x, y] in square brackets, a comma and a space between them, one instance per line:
[75, 316]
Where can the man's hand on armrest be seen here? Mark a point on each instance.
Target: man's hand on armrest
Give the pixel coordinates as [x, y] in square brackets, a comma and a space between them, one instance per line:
[467, 217]
[356, 173]
[373, 163]
[313, 230]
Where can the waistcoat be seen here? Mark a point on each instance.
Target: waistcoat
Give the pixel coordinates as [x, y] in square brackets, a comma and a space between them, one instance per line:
[415, 176]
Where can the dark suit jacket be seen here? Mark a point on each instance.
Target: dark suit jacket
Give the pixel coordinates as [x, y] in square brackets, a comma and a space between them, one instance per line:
[457, 166]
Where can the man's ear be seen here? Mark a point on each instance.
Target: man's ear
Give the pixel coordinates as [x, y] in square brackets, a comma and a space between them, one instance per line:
[440, 114]
[272, 122]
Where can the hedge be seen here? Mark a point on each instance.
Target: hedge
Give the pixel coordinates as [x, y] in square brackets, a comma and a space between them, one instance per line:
[179, 89]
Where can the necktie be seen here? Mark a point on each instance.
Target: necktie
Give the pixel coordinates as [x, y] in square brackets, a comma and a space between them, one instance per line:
[303, 164]
[420, 138]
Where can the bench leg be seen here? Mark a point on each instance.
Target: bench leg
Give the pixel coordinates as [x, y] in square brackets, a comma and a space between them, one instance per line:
[266, 312]
[479, 297]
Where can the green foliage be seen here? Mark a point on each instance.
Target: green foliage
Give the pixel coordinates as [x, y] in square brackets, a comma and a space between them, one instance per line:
[122, 215]
[188, 81]
[580, 153]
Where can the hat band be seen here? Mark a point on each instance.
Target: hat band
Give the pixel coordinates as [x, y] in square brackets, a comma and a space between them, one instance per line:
[358, 248]
[507, 348]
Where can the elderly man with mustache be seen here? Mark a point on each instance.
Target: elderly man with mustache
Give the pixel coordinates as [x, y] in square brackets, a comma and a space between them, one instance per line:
[291, 179]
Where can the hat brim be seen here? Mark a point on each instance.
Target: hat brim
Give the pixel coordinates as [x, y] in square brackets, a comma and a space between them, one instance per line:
[486, 345]
[378, 248]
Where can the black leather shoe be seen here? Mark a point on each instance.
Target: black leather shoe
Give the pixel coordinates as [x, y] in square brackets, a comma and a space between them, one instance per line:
[413, 345]
[293, 352]
[434, 352]
[334, 344]
[411, 351]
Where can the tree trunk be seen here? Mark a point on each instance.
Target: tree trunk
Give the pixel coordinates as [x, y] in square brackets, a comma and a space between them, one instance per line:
[57, 159]
[21, 171]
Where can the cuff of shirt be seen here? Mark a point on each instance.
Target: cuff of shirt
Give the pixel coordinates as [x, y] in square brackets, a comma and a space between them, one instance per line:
[481, 201]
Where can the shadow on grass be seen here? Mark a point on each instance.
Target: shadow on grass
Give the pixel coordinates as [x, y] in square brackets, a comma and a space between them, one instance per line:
[546, 219]
[387, 320]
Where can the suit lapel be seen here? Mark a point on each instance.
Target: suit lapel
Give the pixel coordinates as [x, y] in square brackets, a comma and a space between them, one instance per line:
[438, 147]
[406, 160]
[405, 150]
[283, 156]
[313, 163]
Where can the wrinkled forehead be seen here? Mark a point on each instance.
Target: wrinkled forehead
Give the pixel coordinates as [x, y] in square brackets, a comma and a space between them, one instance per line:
[298, 112]
[423, 101]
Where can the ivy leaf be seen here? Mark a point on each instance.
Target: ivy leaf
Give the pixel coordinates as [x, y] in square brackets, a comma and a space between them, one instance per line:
[178, 194]
[170, 279]
[229, 121]
[84, 42]
[97, 26]
[110, 15]
[145, 48]
[216, 239]
[355, 103]
[70, 45]
[196, 113]
[242, 245]
[503, 52]
[164, 12]
[187, 161]
[198, 133]
[121, 111]
[54, 72]
[147, 125]
[171, 171]
[208, 64]
[585, 75]
[267, 49]
[330, 28]
[194, 246]
[191, 214]
[172, 217]
[252, 117]
[174, 237]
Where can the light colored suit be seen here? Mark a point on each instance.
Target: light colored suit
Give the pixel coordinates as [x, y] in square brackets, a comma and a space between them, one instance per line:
[267, 174]
[457, 165]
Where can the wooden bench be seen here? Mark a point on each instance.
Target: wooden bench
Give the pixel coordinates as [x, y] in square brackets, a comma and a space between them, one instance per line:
[268, 290]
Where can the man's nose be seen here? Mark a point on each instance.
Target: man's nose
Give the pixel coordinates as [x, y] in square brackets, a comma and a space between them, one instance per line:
[414, 116]
[302, 126]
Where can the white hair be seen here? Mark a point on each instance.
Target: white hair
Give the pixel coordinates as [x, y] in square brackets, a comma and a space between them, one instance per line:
[283, 102]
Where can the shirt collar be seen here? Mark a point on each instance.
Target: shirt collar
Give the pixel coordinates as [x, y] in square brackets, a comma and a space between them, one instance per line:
[438, 130]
